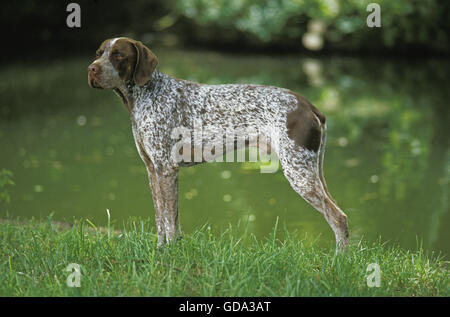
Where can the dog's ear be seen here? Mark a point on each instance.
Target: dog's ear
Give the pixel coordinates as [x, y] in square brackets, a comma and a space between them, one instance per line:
[146, 63]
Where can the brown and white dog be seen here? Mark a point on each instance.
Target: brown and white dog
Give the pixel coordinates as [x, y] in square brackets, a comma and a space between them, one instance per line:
[158, 104]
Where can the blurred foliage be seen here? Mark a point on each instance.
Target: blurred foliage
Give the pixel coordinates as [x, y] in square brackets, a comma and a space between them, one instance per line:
[405, 23]
[5, 182]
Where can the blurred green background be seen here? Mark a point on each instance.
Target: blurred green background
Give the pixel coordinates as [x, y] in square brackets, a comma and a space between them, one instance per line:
[408, 26]
[384, 92]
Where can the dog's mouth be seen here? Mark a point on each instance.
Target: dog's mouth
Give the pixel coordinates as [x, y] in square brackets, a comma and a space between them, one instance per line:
[93, 83]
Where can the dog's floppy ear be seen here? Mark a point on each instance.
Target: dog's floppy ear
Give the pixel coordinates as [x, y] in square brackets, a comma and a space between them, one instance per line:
[146, 63]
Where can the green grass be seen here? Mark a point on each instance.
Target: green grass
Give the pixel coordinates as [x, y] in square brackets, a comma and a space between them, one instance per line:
[34, 256]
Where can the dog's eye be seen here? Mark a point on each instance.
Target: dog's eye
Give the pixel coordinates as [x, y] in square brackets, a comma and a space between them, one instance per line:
[118, 55]
[98, 54]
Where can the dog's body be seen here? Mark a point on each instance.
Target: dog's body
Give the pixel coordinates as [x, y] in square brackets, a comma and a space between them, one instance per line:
[158, 104]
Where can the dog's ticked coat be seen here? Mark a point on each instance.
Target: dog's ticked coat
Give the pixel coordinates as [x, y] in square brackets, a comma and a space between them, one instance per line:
[159, 103]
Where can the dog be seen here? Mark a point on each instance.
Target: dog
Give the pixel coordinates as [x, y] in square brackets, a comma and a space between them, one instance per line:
[158, 103]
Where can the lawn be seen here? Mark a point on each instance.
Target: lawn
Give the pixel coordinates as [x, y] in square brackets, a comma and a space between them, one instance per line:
[125, 261]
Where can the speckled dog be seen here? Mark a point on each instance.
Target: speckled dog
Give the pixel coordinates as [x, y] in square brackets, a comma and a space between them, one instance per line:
[159, 103]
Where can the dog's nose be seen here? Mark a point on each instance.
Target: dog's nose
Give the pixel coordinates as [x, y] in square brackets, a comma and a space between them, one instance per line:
[93, 68]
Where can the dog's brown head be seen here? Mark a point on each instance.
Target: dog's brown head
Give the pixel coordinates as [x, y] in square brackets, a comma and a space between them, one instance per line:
[120, 61]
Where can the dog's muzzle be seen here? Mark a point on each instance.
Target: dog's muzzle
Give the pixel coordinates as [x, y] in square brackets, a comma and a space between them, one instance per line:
[93, 72]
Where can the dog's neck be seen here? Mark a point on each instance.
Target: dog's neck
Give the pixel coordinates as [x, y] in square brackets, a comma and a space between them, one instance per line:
[129, 92]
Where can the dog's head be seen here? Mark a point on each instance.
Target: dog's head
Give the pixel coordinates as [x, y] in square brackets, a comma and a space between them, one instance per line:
[121, 61]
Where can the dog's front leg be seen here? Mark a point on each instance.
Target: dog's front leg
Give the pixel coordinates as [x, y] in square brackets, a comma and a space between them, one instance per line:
[158, 206]
[167, 183]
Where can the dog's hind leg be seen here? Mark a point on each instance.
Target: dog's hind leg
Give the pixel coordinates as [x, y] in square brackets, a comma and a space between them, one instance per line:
[332, 202]
[303, 169]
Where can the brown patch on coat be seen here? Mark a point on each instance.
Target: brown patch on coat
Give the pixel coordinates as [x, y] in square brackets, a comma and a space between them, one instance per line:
[133, 60]
[123, 57]
[146, 63]
[304, 124]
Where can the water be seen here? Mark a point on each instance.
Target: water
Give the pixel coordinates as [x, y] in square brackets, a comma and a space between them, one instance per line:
[387, 161]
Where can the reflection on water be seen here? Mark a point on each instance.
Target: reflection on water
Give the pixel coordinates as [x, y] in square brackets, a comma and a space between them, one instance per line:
[387, 161]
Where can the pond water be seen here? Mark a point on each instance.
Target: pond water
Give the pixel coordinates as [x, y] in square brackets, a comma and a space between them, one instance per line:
[387, 161]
